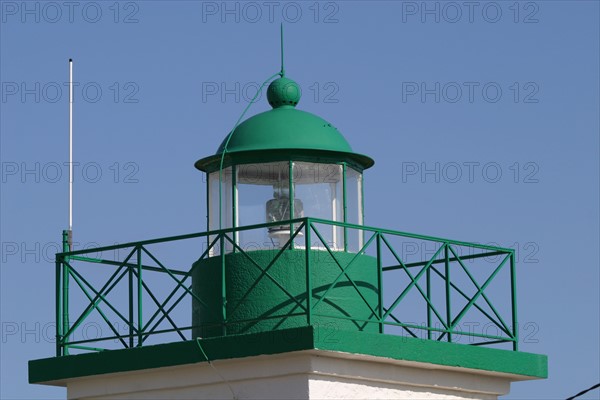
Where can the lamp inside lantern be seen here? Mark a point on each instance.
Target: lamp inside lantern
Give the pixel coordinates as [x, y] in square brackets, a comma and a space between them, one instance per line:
[278, 209]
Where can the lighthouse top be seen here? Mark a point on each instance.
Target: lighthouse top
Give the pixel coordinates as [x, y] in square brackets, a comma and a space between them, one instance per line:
[287, 268]
[283, 133]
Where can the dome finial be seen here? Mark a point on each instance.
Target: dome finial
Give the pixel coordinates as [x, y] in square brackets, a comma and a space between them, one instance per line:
[283, 92]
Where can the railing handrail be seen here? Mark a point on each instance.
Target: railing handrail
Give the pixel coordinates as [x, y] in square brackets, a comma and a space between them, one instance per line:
[307, 220]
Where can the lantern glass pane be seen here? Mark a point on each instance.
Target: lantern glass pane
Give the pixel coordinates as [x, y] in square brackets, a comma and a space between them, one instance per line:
[319, 188]
[263, 197]
[354, 208]
[226, 211]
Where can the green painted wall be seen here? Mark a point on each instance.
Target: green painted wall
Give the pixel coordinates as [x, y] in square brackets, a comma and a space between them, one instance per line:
[253, 295]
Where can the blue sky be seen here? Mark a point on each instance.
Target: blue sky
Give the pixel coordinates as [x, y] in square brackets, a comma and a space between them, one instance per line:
[483, 120]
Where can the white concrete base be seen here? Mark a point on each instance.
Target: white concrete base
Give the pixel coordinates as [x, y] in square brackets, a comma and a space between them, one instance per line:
[310, 374]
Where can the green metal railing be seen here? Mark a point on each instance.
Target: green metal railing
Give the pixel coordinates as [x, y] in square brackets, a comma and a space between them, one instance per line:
[462, 271]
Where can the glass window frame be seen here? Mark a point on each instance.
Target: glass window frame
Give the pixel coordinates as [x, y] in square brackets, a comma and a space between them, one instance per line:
[234, 201]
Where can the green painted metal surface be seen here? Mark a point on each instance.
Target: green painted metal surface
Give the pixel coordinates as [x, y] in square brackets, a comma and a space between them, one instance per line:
[276, 299]
[286, 128]
[227, 295]
[283, 92]
[288, 340]
[284, 132]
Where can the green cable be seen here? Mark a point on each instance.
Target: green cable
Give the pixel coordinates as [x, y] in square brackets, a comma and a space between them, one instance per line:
[227, 143]
[281, 74]
[215, 369]
[201, 349]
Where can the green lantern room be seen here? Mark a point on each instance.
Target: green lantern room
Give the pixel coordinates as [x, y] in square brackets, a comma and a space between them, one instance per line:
[277, 168]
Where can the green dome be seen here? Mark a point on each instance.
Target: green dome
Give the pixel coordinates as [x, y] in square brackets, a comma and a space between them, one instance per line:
[284, 133]
[286, 128]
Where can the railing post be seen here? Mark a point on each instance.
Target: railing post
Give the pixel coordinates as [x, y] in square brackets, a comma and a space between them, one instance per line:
[130, 322]
[208, 209]
[292, 200]
[234, 209]
[448, 288]
[65, 293]
[513, 292]
[307, 230]
[379, 283]
[58, 300]
[140, 292]
[428, 278]
[345, 207]
[223, 283]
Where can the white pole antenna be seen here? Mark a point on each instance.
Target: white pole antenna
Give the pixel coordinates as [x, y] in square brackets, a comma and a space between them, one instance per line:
[70, 150]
